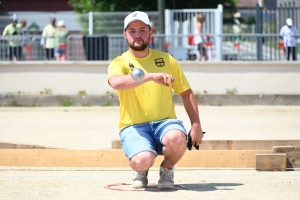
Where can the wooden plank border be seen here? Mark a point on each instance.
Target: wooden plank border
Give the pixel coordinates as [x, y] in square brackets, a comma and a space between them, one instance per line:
[292, 155]
[116, 158]
[234, 144]
[271, 162]
[6, 145]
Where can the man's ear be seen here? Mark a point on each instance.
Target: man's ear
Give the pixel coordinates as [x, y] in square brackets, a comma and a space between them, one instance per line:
[124, 34]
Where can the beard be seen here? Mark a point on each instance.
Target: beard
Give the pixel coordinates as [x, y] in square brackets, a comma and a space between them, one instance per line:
[141, 47]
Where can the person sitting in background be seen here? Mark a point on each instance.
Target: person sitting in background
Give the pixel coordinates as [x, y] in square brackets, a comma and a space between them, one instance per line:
[61, 34]
[12, 30]
[48, 39]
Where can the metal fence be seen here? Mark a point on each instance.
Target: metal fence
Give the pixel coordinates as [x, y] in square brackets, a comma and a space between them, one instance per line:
[183, 22]
[270, 20]
[244, 47]
[87, 23]
[241, 47]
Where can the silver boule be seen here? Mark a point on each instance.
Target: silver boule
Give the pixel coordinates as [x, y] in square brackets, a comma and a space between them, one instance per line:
[137, 74]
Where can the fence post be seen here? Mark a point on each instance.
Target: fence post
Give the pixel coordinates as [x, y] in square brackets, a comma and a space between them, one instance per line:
[258, 31]
[90, 23]
[218, 31]
[161, 6]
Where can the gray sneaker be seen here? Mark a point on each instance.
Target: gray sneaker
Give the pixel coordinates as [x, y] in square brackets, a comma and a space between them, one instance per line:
[140, 180]
[166, 178]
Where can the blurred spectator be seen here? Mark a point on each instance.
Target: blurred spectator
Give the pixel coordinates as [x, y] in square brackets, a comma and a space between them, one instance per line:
[200, 37]
[22, 25]
[289, 33]
[48, 39]
[61, 34]
[153, 31]
[12, 31]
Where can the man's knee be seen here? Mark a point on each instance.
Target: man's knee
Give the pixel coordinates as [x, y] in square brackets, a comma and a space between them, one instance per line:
[142, 161]
[174, 138]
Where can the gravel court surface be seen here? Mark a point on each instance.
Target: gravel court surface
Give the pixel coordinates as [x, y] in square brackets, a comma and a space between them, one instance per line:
[71, 183]
[97, 127]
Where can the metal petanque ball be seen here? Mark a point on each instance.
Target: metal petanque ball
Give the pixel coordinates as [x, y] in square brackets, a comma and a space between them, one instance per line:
[137, 74]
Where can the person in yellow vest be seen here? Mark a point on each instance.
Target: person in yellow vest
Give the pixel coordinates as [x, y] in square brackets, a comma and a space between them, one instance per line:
[13, 33]
[47, 40]
[61, 34]
[148, 123]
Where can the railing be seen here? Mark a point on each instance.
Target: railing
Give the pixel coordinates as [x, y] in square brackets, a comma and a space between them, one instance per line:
[242, 47]
[253, 47]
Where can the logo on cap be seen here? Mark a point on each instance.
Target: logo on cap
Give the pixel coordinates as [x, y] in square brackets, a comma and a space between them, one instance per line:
[137, 15]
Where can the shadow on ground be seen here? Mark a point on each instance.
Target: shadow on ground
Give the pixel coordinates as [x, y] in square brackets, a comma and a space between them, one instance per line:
[205, 187]
[199, 187]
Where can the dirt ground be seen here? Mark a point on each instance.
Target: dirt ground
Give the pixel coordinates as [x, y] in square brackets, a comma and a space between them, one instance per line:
[82, 184]
[96, 127]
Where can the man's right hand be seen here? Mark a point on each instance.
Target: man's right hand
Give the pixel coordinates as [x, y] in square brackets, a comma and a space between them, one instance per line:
[163, 79]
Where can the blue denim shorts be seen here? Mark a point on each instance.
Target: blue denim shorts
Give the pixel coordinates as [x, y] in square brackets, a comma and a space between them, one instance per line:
[147, 137]
[59, 51]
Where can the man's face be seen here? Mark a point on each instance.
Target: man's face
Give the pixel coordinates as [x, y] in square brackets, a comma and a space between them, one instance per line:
[53, 22]
[137, 35]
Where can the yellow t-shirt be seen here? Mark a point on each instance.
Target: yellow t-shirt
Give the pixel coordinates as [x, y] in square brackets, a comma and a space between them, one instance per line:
[49, 31]
[149, 101]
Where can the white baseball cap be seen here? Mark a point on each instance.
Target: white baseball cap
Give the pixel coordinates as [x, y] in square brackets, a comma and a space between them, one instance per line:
[60, 23]
[136, 16]
[289, 22]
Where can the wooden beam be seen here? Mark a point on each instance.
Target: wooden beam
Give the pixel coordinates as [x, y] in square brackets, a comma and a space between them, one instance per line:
[220, 158]
[292, 155]
[270, 162]
[62, 158]
[116, 158]
[234, 144]
[5, 145]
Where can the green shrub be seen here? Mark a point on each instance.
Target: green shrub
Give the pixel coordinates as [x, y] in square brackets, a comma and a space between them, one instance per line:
[68, 103]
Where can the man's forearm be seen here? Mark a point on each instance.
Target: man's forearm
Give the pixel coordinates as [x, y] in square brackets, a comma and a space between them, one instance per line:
[191, 107]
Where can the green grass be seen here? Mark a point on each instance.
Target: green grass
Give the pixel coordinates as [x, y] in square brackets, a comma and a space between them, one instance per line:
[17, 104]
[109, 103]
[14, 104]
[68, 103]
[46, 91]
[82, 92]
[231, 91]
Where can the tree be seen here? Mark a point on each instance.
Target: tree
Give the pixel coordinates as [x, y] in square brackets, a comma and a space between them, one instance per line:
[103, 20]
[84, 6]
